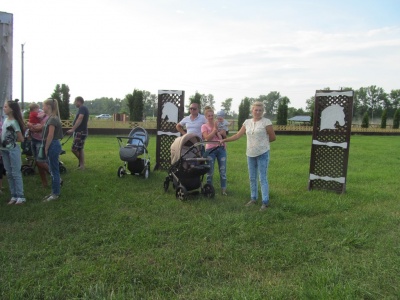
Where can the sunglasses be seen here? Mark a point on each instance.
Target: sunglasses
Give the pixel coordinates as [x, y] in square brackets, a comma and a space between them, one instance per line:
[193, 108]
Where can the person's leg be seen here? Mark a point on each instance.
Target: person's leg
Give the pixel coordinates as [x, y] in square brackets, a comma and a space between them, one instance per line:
[53, 160]
[82, 159]
[252, 165]
[10, 179]
[43, 168]
[211, 162]
[221, 157]
[77, 148]
[16, 174]
[263, 161]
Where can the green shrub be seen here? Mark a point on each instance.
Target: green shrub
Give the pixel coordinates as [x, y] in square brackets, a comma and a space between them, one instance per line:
[384, 118]
[396, 119]
[365, 121]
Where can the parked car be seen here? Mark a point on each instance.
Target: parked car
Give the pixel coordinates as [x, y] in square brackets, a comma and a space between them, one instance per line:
[104, 116]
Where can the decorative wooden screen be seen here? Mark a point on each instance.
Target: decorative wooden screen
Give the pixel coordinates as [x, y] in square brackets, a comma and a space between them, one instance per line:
[331, 140]
[170, 112]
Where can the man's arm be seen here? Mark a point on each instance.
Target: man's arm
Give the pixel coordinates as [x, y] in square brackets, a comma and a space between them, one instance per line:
[179, 127]
[76, 125]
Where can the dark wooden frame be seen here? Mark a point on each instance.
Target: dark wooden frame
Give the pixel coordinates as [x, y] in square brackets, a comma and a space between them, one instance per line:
[330, 147]
[166, 131]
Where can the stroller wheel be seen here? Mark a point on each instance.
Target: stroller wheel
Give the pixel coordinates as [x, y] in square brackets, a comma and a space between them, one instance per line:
[208, 190]
[121, 172]
[147, 172]
[181, 193]
[62, 169]
[28, 171]
[166, 184]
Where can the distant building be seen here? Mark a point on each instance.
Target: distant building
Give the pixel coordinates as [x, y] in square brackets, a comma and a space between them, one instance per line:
[303, 120]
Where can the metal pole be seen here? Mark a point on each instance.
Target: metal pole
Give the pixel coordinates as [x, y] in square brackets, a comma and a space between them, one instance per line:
[22, 77]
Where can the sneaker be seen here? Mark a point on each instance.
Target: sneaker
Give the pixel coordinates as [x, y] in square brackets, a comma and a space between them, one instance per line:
[51, 198]
[263, 207]
[224, 193]
[45, 197]
[20, 201]
[12, 200]
[251, 202]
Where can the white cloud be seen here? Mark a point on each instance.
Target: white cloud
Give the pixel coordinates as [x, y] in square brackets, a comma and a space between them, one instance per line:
[108, 48]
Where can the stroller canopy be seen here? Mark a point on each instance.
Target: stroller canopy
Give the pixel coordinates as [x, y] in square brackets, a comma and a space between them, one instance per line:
[182, 144]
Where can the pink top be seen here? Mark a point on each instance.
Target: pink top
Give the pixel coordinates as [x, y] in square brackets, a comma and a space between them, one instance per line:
[207, 129]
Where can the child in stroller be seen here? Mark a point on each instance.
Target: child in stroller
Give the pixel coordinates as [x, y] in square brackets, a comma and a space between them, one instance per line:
[137, 143]
[188, 167]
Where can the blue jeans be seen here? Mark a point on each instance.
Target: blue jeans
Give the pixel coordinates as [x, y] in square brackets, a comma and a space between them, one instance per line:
[53, 156]
[12, 164]
[259, 164]
[220, 155]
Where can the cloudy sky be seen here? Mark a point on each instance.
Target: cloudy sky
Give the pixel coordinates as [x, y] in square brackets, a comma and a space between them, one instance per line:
[228, 48]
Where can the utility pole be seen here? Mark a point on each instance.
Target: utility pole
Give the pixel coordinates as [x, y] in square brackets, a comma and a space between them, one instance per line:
[22, 76]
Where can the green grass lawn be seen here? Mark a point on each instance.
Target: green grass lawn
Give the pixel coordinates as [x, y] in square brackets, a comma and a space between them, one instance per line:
[124, 238]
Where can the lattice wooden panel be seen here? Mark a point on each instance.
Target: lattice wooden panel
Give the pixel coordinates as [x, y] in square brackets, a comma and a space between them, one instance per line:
[170, 112]
[331, 140]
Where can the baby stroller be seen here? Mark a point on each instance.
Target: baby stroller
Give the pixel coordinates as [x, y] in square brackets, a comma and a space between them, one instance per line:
[188, 167]
[137, 143]
[29, 167]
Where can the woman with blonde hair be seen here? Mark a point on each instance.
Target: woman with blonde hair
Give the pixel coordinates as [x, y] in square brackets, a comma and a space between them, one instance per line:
[259, 134]
[52, 134]
[210, 132]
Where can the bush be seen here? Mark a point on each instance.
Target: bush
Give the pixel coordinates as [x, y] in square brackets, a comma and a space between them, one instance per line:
[384, 118]
[396, 119]
[365, 121]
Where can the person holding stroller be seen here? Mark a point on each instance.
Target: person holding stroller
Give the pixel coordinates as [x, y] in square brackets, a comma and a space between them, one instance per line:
[52, 134]
[215, 151]
[259, 134]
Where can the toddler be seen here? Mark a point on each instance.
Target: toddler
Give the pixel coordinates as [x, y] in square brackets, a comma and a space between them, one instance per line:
[223, 125]
[35, 114]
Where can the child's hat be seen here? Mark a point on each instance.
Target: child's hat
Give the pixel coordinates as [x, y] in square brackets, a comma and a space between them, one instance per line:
[221, 113]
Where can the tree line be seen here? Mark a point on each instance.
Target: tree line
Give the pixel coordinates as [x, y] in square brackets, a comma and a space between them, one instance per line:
[369, 103]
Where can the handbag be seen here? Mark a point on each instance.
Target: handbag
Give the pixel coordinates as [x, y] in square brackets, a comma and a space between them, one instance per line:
[41, 155]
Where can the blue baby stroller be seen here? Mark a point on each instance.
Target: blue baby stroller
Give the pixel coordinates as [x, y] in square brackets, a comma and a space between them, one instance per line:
[137, 142]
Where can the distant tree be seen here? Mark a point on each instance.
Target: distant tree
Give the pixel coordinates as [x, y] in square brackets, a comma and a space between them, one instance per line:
[360, 102]
[365, 120]
[396, 119]
[61, 94]
[375, 96]
[196, 98]
[283, 111]
[226, 106]
[271, 102]
[292, 111]
[244, 111]
[310, 104]
[135, 105]
[384, 118]
[150, 103]
[207, 100]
